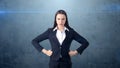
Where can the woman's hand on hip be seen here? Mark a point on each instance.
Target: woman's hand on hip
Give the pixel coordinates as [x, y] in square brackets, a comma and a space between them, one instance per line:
[47, 52]
[73, 52]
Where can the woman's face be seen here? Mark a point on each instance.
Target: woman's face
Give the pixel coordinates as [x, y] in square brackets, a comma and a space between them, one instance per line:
[60, 19]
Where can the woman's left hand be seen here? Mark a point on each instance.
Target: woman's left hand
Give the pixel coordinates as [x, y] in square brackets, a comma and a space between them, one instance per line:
[73, 52]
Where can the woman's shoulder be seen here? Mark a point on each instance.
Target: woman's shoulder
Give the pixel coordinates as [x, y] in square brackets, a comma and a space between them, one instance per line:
[71, 29]
[50, 29]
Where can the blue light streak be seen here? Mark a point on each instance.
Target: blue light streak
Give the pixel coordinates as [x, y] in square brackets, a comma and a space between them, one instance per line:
[110, 8]
[2, 12]
[19, 12]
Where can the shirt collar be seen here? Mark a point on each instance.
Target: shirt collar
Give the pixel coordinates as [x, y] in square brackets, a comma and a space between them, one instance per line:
[64, 28]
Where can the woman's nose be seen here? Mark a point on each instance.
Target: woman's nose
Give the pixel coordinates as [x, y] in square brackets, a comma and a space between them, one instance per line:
[60, 21]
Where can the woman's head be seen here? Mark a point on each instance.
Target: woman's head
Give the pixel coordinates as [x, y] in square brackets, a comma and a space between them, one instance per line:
[61, 19]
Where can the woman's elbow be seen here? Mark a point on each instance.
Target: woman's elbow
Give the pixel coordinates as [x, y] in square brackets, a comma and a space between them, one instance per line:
[33, 41]
[87, 43]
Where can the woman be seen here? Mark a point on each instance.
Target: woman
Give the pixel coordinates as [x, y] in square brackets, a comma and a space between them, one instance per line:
[60, 37]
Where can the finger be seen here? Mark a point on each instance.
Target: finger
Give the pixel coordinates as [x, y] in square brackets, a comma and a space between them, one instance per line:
[50, 50]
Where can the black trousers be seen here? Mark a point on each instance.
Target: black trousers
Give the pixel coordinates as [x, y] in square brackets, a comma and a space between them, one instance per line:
[61, 63]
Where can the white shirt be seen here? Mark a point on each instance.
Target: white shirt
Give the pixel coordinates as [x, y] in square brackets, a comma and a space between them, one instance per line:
[60, 34]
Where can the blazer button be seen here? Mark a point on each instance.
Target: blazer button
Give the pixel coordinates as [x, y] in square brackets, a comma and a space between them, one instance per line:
[60, 56]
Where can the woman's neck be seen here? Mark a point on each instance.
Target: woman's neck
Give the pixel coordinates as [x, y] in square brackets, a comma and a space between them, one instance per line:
[61, 28]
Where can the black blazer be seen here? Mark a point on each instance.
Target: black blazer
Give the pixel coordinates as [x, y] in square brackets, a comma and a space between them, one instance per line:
[55, 45]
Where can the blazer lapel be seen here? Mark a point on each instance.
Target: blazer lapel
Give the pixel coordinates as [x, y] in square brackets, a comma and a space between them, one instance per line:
[67, 36]
[55, 38]
[54, 35]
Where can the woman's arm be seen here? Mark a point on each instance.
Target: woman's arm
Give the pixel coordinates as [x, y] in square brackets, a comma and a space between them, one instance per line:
[84, 43]
[40, 38]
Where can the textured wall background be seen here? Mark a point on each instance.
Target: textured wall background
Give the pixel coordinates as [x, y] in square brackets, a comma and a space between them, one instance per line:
[96, 20]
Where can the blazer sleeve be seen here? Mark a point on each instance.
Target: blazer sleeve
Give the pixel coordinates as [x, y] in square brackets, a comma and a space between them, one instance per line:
[84, 43]
[40, 38]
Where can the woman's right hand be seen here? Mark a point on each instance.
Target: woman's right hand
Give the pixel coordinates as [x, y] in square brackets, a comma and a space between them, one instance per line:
[47, 52]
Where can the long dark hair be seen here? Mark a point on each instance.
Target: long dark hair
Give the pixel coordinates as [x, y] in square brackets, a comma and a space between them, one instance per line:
[61, 12]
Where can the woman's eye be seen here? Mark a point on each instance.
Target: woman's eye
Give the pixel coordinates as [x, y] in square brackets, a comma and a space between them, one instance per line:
[63, 19]
[58, 18]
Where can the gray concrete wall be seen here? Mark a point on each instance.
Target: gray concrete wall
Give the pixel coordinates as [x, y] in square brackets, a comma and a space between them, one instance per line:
[96, 20]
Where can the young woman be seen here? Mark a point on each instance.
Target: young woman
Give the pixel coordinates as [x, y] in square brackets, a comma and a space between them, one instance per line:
[60, 37]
